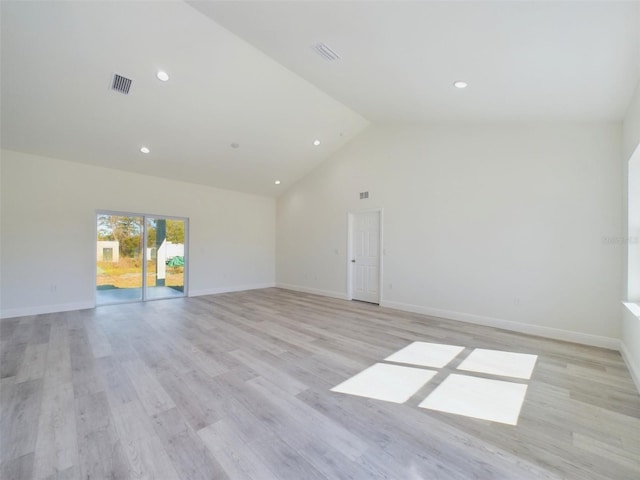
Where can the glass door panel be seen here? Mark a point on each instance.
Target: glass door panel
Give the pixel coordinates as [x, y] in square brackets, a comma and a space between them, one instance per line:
[119, 259]
[165, 250]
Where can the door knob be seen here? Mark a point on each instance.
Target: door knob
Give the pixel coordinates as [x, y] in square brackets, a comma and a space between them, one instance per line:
[353, 261]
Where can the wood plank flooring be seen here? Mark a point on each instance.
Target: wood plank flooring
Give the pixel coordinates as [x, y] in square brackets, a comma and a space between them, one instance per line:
[237, 386]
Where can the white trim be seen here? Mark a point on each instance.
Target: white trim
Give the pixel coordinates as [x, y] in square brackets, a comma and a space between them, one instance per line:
[349, 295]
[350, 223]
[634, 308]
[538, 330]
[633, 369]
[237, 288]
[315, 291]
[42, 309]
[143, 234]
[632, 365]
[381, 250]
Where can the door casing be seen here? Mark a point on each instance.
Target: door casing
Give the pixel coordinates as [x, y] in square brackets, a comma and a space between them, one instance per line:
[350, 251]
[144, 217]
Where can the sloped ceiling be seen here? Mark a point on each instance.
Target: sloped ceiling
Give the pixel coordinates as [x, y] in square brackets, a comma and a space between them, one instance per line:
[523, 60]
[244, 73]
[58, 59]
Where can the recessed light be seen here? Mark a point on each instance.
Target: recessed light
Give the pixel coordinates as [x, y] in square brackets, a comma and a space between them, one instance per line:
[460, 84]
[162, 75]
[277, 182]
[144, 150]
[316, 142]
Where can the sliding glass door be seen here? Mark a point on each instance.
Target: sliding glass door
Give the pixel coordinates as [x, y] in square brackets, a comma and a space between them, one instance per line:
[139, 257]
[119, 259]
[165, 257]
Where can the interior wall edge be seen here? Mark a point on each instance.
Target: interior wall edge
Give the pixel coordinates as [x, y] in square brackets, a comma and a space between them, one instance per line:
[43, 309]
[526, 328]
[315, 291]
[236, 288]
[630, 343]
[633, 369]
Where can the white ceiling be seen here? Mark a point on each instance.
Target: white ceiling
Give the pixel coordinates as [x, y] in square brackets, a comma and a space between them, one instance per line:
[523, 60]
[58, 59]
[244, 72]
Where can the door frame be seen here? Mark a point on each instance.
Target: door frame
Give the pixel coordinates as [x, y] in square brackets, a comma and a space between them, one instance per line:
[143, 234]
[350, 223]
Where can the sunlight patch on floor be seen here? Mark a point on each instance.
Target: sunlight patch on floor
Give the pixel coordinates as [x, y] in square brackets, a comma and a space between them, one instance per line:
[391, 383]
[493, 400]
[426, 354]
[505, 364]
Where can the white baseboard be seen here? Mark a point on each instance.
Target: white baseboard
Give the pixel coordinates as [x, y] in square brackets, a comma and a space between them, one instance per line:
[237, 288]
[315, 291]
[548, 332]
[42, 309]
[634, 369]
[66, 307]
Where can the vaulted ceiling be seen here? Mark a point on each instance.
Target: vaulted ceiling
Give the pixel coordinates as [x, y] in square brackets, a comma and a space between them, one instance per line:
[247, 93]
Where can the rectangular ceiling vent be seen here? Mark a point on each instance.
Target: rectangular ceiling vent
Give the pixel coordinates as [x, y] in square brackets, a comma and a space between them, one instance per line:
[121, 84]
[325, 52]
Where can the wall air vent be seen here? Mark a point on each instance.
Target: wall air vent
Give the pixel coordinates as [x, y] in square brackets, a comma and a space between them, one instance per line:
[121, 84]
[364, 195]
[325, 52]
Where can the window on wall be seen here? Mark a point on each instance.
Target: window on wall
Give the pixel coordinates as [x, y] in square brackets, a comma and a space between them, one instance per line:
[140, 257]
[633, 239]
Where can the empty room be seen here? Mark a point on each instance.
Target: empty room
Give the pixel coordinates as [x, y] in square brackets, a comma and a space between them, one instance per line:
[297, 240]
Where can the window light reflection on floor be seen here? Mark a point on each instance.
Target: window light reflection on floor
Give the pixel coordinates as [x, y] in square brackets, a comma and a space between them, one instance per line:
[493, 400]
[504, 364]
[391, 383]
[496, 400]
[426, 354]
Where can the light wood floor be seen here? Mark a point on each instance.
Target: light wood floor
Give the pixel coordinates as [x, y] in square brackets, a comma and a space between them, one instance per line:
[238, 386]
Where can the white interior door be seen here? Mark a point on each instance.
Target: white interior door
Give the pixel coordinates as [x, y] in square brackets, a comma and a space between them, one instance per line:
[365, 258]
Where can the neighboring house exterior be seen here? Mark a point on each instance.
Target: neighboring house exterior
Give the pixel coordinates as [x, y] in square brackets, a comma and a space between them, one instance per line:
[108, 251]
[166, 251]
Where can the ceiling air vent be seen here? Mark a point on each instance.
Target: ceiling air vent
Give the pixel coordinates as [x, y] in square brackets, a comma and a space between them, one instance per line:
[121, 84]
[325, 51]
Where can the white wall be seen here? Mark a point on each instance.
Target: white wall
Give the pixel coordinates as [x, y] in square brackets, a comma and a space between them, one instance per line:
[631, 125]
[509, 225]
[630, 322]
[48, 231]
[633, 228]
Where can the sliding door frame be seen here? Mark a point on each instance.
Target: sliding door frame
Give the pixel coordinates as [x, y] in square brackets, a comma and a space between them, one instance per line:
[143, 239]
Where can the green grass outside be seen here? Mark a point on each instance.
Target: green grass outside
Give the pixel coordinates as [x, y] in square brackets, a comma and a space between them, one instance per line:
[127, 273]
